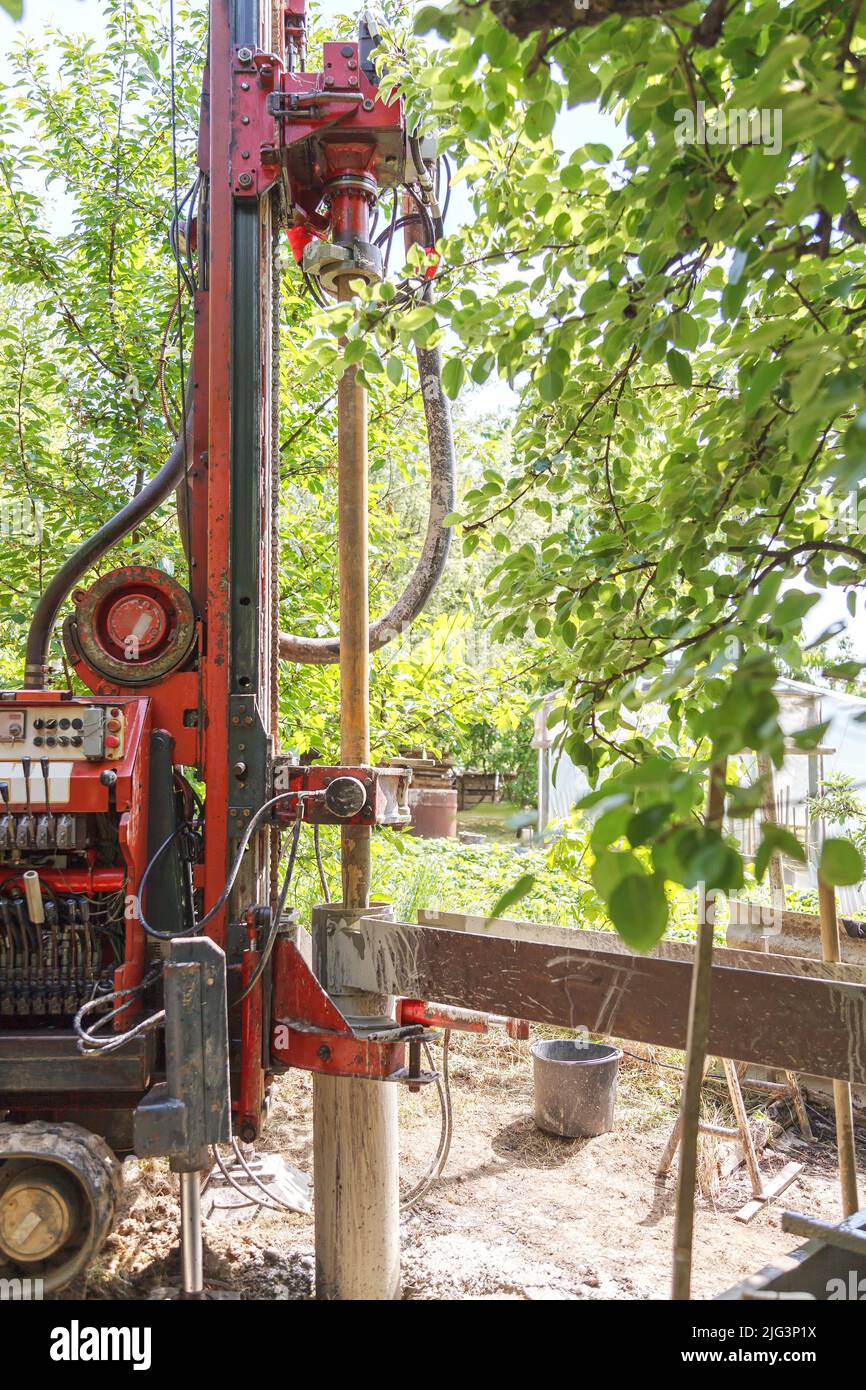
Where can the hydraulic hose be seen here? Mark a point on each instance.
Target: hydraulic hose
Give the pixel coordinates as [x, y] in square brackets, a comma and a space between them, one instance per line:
[133, 514]
[323, 651]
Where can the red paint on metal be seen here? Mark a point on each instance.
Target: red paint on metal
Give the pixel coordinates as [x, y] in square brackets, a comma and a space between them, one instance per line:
[136, 618]
[219, 355]
[437, 1016]
[309, 1032]
[87, 881]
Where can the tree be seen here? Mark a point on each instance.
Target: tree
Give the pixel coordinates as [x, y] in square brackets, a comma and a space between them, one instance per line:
[684, 326]
[89, 345]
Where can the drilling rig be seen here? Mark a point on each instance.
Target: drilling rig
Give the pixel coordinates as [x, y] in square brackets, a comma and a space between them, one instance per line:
[152, 981]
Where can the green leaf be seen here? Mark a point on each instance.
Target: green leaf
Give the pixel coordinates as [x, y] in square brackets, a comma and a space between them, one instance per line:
[428, 19]
[679, 367]
[639, 910]
[776, 838]
[512, 895]
[645, 825]
[540, 120]
[453, 375]
[550, 386]
[841, 864]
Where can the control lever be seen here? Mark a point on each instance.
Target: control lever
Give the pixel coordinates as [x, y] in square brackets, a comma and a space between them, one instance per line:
[25, 836]
[7, 825]
[45, 825]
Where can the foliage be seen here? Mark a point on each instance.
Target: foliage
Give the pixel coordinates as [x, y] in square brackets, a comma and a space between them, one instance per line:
[414, 873]
[86, 286]
[840, 806]
[87, 282]
[684, 325]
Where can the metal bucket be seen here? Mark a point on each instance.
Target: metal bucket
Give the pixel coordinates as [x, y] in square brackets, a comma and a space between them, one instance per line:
[575, 1086]
[434, 812]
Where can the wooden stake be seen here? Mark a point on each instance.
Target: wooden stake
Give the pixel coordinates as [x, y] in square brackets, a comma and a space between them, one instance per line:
[696, 1051]
[832, 951]
[776, 879]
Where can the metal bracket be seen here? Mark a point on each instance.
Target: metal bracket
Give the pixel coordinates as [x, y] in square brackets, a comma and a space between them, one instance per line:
[249, 749]
[387, 791]
[310, 1032]
[184, 1115]
[255, 152]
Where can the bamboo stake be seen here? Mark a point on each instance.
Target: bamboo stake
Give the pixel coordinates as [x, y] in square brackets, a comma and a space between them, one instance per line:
[696, 1051]
[832, 951]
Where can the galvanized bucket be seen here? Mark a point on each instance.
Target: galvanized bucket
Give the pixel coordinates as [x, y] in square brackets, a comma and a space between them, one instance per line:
[575, 1086]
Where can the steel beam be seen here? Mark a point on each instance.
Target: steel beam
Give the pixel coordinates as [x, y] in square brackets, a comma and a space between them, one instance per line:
[796, 1022]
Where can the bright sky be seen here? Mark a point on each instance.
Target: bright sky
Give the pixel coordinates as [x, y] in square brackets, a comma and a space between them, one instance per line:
[574, 128]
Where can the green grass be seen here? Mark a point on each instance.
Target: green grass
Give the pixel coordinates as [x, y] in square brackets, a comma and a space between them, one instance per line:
[445, 875]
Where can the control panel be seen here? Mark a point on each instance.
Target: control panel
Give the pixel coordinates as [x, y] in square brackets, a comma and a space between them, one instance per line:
[70, 733]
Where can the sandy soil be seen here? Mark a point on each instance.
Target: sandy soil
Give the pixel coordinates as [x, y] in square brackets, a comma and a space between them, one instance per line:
[517, 1214]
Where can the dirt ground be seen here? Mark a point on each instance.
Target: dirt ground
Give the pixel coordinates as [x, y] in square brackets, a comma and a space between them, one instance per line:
[516, 1215]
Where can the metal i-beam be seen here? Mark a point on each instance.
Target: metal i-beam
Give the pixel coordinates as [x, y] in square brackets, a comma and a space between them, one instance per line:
[769, 1017]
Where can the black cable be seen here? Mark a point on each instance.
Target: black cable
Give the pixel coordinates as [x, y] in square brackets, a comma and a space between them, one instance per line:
[323, 879]
[253, 826]
[427, 220]
[400, 223]
[446, 164]
[392, 226]
[443, 1087]
[275, 921]
[248, 1200]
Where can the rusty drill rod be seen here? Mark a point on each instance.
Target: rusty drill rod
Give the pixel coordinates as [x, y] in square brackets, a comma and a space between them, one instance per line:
[831, 950]
[354, 613]
[355, 1141]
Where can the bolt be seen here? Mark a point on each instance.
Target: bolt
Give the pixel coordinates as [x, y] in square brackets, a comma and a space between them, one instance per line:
[329, 81]
[248, 719]
[323, 1053]
[414, 1065]
[236, 719]
[245, 180]
[245, 86]
[245, 154]
[240, 770]
[368, 106]
[248, 1133]
[245, 120]
[351, 65]
[245, 55]
[353, 81]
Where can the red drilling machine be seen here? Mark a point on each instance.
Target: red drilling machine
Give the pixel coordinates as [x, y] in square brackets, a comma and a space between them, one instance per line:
[152, 982]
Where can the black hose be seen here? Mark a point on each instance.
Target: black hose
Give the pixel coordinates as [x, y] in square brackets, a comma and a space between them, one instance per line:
[91, 552]
[323, 651]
